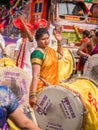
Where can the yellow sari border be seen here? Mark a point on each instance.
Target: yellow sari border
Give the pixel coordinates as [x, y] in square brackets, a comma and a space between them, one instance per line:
[36, 60]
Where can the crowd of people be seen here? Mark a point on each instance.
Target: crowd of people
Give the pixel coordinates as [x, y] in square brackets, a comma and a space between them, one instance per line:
[88, 47]
[33, 55]
[37, 52]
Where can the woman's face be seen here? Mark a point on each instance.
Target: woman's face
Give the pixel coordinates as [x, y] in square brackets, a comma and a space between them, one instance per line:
[92, 33]
[44, 41]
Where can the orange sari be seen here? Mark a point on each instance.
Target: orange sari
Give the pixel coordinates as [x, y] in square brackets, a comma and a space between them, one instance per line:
[49, 68]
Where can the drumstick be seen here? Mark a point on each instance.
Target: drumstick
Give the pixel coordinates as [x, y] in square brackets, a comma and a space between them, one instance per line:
[32, 113]
[47, 84]
[41, 108]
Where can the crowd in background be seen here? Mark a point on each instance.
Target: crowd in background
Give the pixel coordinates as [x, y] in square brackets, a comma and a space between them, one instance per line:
[37, 52]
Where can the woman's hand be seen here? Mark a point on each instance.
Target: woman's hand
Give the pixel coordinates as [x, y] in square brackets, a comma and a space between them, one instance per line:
[33, 100]
[58, 36]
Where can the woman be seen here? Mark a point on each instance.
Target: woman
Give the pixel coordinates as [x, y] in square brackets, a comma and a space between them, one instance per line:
[44, 63]
[82, 49]
[90, 47]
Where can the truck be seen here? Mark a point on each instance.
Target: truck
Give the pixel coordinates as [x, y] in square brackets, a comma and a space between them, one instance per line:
[73, 15]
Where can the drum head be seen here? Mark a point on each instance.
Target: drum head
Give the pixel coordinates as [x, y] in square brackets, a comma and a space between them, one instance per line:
[91, 68]
[66, 65]
[63, 108]
[18, 81]
[9, 49]
[88, 92]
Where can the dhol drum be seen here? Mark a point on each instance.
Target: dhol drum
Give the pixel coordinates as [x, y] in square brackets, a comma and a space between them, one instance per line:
[68, 106]
[18, 81]
[91, 68]
[4, 62]
[10, 49]
[67, 65]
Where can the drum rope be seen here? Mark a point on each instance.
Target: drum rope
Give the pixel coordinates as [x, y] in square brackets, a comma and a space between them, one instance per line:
[46, 83]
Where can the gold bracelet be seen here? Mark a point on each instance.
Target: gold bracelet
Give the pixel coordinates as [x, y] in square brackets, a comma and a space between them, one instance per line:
[33, 93]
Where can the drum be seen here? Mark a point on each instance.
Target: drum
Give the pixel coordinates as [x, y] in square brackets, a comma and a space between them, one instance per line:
[67, 65]
[91, 68]
[9, 49]
[4, 62]
[87, 89]
[62, 108]
[18, 81]
[71, 106]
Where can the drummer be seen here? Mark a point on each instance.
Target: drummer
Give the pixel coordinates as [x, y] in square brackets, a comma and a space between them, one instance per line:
[44, 62]
[44, 59]
[27, 43]
[24, 45]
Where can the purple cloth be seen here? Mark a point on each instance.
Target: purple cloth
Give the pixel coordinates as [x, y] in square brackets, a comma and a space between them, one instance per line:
[95, 50]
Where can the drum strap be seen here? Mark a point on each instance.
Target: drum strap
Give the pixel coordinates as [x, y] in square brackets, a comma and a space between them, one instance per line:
[46, 83]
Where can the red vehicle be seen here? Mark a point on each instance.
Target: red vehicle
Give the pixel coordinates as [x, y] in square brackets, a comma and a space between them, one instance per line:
[73, 15]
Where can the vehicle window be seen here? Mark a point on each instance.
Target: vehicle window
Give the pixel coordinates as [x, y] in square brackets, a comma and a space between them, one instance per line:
[40, 7]
[35, 7]
[70, 9]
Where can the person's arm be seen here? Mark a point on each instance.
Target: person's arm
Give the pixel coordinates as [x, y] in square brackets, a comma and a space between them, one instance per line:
[59, 40]
[35, 77]
[29, 34]
[82, 47]
[36, 61]
[16, 54]
[22, 121]
[3, 51]
[17, 48]
[59, 48]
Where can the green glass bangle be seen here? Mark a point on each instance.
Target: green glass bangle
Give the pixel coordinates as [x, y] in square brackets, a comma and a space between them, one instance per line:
[33, 93]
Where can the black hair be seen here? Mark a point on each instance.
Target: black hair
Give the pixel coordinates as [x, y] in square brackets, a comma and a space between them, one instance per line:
[92, 30]
[96, 33]
[40, 32]
[86, 33]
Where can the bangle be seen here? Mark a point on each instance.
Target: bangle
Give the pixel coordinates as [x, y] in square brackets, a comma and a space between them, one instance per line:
[33, 94]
